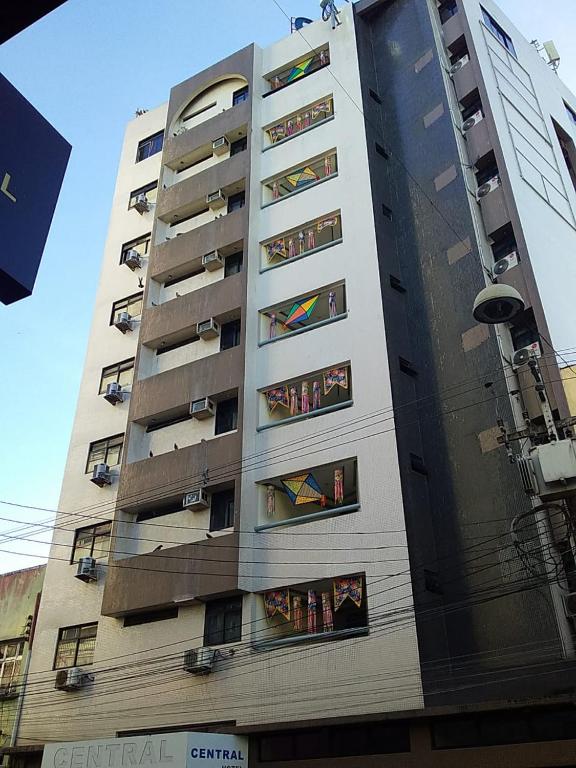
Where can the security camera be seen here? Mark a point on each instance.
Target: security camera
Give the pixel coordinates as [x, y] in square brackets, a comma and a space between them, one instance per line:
[497, 303]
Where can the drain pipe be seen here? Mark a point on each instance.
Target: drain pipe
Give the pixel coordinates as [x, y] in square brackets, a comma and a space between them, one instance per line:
[24, 680]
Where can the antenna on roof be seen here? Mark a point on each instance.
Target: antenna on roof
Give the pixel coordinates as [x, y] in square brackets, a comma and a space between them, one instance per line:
[551, 52]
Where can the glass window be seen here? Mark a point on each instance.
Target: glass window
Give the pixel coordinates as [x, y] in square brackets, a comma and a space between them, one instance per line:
[233, 264]
[141, 245]
[299, 121]
[571, 113]
[150, 146]
[312, 63]
[150, 191]
[75, 646]
[498, 32]
[131, 304]
[121, 373]
[108, 451]
[223, 621]
[298, 179]
[236, 201]
[447, 10]
[240, 95]
[92, 541]
[222, 510]
[238, 146]
[230, 335]
[10, 661]
[226, 416]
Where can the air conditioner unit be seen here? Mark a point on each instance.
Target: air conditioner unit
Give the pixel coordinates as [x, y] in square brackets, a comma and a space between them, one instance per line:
[212, 261]
[142, 205]
[8, 691]
[522, 356]
[220, 146]
[114, 393]
[132, 259]
[506, 263]
[86, 570]
[199, 661]
[123, 322]
[208, 329]
[216, 200]
[196, 499]
[69, 679]
[570, 605]
[472, 121]
[202, 409]
[489, 186]
[101, 475]
[457, 66]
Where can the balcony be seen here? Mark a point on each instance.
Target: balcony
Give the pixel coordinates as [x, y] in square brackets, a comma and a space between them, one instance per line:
[299, 178]
[317, 611]
[464, 80]
[305, 119]
[310, 237]
[306, 397]
[313, 494]
[181, 575]
[494, 210]
[295, 316]
[478, 140]
[297, 70]
[452, 30]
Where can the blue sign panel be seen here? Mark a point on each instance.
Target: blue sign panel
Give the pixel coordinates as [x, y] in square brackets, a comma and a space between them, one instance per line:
[33, 160]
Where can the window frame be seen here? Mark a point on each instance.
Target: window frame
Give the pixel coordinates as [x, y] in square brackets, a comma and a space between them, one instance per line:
[94, 537]
[231, 260]
[212, 607]
[78, 627]
[241, 95]
[233, 200]
[142, 191]
[219, 405]
[106, 440]
[144, 240]
[234, 327]
[121, 367]
[14, 661]
[498, 31]
[315, 66]
[228, 495]
[151, 142]
[123, 305]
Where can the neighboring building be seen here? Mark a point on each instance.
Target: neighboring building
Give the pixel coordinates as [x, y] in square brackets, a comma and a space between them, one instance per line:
[285, 469]
[19, 600]
[569, 380]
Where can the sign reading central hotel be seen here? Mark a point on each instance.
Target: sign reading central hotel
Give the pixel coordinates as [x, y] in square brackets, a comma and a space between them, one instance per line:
[166, 750]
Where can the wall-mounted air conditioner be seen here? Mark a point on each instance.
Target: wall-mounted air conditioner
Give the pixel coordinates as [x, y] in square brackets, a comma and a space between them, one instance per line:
[86, 570]
[196, 499]
[506, 263]
[457, 66]
[208, 329]
[220, 146]
[9, 691]
[101, 475]
[123, 322]
[216, 200]
[524, 355]
[132, 259]
[69, 679]
[472, 121]
[202, 409]
[199, 661]
[114, 393]
[489, 186]
[142, 204]
[212, 261]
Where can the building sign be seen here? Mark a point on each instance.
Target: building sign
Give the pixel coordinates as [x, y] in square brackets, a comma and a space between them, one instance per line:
[33, 159]
[166, 750]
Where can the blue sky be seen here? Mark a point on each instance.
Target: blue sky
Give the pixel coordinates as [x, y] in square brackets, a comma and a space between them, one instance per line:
[87, 67]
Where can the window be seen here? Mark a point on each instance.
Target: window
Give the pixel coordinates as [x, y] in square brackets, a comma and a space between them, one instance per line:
[417, 464]
[237, 201]
[307, 238]
[229, 335]
[447, 10]
[10, 660]
[141, 245]
[108, 451]
[299, 70]
[498, 32]
[75, 646]
[150, 146]
[374, 96]
[233, 264]
[571, 113]
[223, 621]
[240, 95]
[131, 304]
[300, 312]
[171, 347]
[387, 212]
[238, 146]
[150, 191]
[381, 151]
[172, 508]
[306, 117]
[568, 150]
[156, 425]
[92, 541]
[226, 416]
[147, 617]
[121, 373]
[407, 367]
[222, 510]
[297, 179]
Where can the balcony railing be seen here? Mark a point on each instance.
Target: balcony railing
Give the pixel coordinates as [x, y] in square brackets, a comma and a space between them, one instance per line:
[308, 117]
[306, 397]
[300, 69]
[300, 178]
[311, 494]
[326, 609]
[310, 237]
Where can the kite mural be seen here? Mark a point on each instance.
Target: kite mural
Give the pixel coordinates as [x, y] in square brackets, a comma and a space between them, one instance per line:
[302, 489]
[302, 177]
[276, 397]
[331, 222]
[347, 586]
[336, 377]
[299, 70]
[301, 310]
[277, 601]
[276, 248]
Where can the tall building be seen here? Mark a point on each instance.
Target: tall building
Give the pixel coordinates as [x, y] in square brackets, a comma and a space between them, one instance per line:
[292, 506]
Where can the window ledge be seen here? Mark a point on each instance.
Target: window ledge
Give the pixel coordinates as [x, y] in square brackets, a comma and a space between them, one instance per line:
[301, 519]
[298, 331]
[299, 133]
[304, 416]
[298, 191]
[301, 255]
[319, 637]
